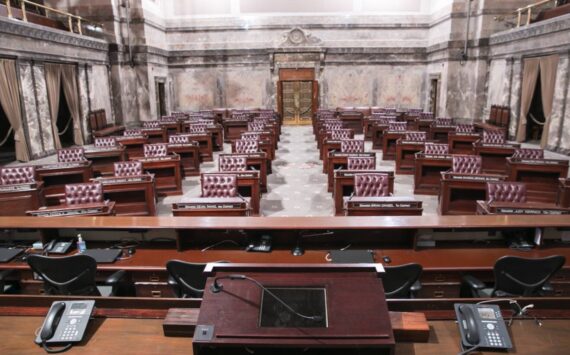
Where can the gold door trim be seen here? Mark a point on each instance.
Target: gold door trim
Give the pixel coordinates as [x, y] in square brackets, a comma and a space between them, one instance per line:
[297, 102]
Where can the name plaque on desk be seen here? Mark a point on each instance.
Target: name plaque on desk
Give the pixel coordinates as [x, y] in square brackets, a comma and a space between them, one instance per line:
[444, 126]
[351, 173]
[210, 205]
[341, 155]
[383, 204]
[121, 180]
[247, 175]
[530, 211]
[102, 149]
[66, 213]
[18, 187]
[182, 145]
[435, 156]
[412, 142]
[467, 134]
[124, 138]
[540, 161]
[64, 165]
[494, 145]
[473, 177]
[147, 160]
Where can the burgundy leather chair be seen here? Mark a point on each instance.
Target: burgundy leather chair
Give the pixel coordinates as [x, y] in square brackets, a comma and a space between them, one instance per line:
[18, 175]
[397, 126]
[361, 163]
[466, 164]
[199, 128]
[105, 142]
[436, 149]
[155, 150]
[216, 185]
[70, 155]
[528, 153]
[230, 163]
[179, 139]
[151, 124]
[332, 125]
[416, 136]
[255, 126]
[506, 192]
[443, 121]
[371, 185]
[493, 137]
[240, 116]
[128, 168]
[244, 147]
[352, 146]
[426, 116]
[132, 132]
[250, 136]
[464, 128]
[77, 194]
[340, 134]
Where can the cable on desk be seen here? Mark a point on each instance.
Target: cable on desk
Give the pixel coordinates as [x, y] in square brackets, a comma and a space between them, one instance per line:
[464, 352]
[219, 243]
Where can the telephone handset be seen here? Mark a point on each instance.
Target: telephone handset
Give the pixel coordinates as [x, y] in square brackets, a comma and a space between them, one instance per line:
[264, 245]
[58, 247]
[65, 323]
[482, 326]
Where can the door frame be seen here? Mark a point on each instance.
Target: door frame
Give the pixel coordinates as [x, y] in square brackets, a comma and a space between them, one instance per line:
[297, 74]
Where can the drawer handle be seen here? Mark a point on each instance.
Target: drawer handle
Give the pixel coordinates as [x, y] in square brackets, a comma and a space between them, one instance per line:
[156, 293]
[41, 291]
[439, 278]
[154, 278]
[438, 294]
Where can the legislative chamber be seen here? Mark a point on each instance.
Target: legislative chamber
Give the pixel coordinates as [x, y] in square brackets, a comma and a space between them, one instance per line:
[284, 177]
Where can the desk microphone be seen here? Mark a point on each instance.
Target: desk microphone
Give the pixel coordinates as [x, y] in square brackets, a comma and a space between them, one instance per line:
[217, 287]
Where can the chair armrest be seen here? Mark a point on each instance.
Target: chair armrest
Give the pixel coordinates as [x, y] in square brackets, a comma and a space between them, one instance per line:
[115, 278]
[416, 287]
[473, 282]
[171, 281]
[547, 288]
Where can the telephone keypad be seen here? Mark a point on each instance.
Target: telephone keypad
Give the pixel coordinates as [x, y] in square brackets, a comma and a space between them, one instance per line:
[494, 339]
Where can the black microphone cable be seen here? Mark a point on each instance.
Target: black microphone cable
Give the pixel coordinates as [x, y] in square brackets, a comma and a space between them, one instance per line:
[216, 287]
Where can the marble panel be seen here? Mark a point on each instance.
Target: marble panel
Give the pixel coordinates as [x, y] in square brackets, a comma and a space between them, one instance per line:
[43, 108]
[99, 90]
[30, 108]
[84, 103]
[559, 101]
[515, 97]
[194, 88]
[498, 83]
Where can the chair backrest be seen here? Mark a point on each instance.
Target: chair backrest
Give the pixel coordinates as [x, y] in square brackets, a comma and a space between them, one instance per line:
[179, 139]
[361, 163]
[101, 119]
[128, 168]
[250, 136]
[132, 132]
[255, 126]
[76, 194]
[416, 136]
[524, 277]
[70, 155]
[398, 280]
[466, 164]
[464, 128]
[105, 142]
[493, 137]
[352, 145]
[231, 163]
[189, 277]
[342, 133]
[371, 185]
[244, 147]
[397, 126]
[426, 116]
[171, 118]
[155, 150]
[219, 185]
[151, 124]
[197, 128]
[436, 148]
[443, 121]
[17, 175]
[68, 275]
[506, 191]
[528, 153]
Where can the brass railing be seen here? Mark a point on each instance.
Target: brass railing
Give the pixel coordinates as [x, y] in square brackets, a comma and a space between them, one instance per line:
[71, 18]
[528, 9]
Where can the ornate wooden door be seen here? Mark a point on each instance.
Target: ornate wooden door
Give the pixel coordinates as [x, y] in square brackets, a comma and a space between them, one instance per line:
[297, 99]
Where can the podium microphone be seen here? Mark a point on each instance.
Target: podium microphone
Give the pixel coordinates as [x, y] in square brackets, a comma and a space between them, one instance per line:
[217, 287]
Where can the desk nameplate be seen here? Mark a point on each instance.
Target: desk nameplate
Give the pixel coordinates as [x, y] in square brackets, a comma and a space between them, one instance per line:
[473, 177]
[342, 155]
[434, 156]
[183, 145]
[209, 205]
[156, 159]
[64, 165]
[18, 187]
[539, 161]
[403, 204]
[494, 145]
[462, 134]
[350, 173]
[67, 213]
[412, 142]
[122, 180]
[104, 149]
[138, 136]
[528, 211]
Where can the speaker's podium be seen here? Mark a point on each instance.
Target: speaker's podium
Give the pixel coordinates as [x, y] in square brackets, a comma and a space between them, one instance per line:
[327, 308]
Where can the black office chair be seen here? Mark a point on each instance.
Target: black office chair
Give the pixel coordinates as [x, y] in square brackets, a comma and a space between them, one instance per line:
[515, 276]
[187, 279]
[72, 275]
[7, 284]
[402, 281]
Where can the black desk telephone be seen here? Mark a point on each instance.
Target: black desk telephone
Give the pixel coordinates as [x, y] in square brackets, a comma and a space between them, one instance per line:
[264, 245]
[65, 324]
[482, 326]
[58, 247]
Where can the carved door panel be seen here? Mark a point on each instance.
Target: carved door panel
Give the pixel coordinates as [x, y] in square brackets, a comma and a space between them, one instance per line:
[297, 102]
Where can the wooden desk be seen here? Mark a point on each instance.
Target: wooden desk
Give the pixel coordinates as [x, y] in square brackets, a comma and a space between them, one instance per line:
[462, 143]
[493, 156]
[133, 145]
[266, 146]
[106, 208]
[338, 160]
[377, 133]
[155, 135]
[170, 128]
[424, 124]
[541, 176]
[248, 186]
[217, 132]
[189, 157]
[427, 172]
[133, 195]
[406, 155]
[102, 159]
[563, 193]
[255, 161]
[440, 134]
[534, 208]
[389, 140]
[205, 142]
[56, 176]
[352, 120]
[16, 199]
[328, 146]
[206, 207]
[167, 174]
[383, 206]
[233, 129]
[344, 185]
[460, 192]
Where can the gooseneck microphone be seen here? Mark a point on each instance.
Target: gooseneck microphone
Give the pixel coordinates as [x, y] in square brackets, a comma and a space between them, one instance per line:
[217, 287]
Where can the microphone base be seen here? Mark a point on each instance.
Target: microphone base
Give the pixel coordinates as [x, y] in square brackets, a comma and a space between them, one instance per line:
[298, 251]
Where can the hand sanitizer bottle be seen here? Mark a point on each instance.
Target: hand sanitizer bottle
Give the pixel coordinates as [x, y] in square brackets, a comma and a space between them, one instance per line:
[81, 247]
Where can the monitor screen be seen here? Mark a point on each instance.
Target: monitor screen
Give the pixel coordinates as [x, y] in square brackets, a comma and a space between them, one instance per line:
[306, 301]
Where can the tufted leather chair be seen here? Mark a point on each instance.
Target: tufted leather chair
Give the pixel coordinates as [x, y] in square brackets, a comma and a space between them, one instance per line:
[105, 142]
[151, 124]
[128, 168]
[18, 175]
[132, 132]
[464, 128]
[155, 150]
[340, 134]
[361, 163]
[426, 115]
[466, 164]
[240, 116]
[266, 114]
[506, 192]
[197, 128]
[229, 163]
[436, 148]
[352, 145]
[416, 136]
[332, 125]
[493, 137]
[528, 153]
[397, 126]
[443, 121]
[76, 194]
[371, 185]
[179, 139]
[70, 155]
[251, 136]
[255, 126]
[244, 147]
[216, 185]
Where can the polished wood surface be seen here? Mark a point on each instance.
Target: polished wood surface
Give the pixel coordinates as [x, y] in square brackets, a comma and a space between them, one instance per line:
[563, 193]
[56, 176]
[103, 159]
[527, 208]
[493, 156]
[344, 186]
[427, 173]
[389, 140]
[133, 195]
[233, 129]
[167, 174]
[256, 162]
[541, 177]
[462, 143]
[205, 142]
[406, 154]
[459, 193]
[189, 157]
[106, 208]
[16, 199]
[133, 145]
[338, 160]
[440, 134]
